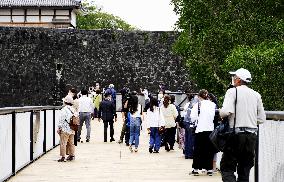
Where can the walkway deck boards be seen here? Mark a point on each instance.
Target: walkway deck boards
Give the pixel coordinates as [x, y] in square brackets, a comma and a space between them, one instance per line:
[111, 162]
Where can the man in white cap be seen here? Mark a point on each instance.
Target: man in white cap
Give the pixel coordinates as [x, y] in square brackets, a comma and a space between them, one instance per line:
[239, 152]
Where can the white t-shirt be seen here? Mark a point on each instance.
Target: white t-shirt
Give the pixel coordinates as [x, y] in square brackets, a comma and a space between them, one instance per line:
[206, 116]
[155, 118]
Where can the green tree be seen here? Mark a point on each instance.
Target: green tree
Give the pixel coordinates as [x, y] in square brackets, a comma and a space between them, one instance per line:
[211, 32]
[91, 17]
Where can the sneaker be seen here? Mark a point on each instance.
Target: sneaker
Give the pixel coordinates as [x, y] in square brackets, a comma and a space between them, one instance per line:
[136, 150]
[62, 159]
[88, 140]
[119, 141]
[70, 158]
[151, 149]
[156, 151]
[112, 140]
[210, 172]
[195, 173]
[167, 148]
[130, 148]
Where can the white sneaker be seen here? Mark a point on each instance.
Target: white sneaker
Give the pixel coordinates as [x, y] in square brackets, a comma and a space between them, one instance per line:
[130, 148]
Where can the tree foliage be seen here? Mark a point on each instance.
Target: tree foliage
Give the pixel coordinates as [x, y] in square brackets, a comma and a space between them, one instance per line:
[91, 17]
[223, 35]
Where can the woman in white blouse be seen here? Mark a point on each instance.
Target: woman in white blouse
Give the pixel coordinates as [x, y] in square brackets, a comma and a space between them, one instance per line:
[65, 132]
[170, 114]
[203, 112]
[155, 121]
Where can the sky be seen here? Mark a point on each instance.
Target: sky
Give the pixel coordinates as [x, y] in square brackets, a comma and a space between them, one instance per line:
[150, 15]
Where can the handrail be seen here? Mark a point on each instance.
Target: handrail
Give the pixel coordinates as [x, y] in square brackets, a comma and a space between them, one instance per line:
[9, 110]
[275, 115]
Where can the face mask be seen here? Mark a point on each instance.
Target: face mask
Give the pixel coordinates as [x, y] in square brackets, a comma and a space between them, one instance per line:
[233, 81]
[160, 96]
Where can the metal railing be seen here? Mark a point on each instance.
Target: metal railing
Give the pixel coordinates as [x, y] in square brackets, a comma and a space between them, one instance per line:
[26, 133]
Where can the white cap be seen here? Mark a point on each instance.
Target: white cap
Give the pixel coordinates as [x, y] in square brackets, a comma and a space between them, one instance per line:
[68, 99]
[243, 74]
[111, 85]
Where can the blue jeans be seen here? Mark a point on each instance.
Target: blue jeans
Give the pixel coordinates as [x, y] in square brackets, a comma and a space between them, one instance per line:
[189, 141]
[135, 124]
[84, 116]
[155, 138]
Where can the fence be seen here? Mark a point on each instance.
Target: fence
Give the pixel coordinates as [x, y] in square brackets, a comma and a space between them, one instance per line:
[29, 132]
[269, 160]
[26, 133]
[270, 154]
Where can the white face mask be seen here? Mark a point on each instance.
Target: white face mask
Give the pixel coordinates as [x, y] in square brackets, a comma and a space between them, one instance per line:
[160, 96]
[233, 83]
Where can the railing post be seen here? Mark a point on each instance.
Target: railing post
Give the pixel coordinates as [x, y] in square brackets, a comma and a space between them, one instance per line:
[53, 127]
[32, 136]
[256, 157]
[44, 131]
[13, 143]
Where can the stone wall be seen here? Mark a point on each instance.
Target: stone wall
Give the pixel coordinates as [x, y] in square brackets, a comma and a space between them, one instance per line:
[38, 65]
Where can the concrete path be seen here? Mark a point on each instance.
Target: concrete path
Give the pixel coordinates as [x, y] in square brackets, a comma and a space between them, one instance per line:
[111, 162]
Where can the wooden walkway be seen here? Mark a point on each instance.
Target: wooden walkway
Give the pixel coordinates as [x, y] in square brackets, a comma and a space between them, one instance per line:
[111, 162]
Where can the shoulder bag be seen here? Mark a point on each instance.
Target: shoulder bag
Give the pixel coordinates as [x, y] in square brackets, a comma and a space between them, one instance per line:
[222, 133]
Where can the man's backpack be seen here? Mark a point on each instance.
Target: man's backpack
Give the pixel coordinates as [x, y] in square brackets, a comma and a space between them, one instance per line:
[179, 119]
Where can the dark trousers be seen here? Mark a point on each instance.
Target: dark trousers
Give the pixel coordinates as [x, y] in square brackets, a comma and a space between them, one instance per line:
[106, 123]
[169, 137]
[127, 134]
[123, 130]
[238, 154]
[189, 141]
[96, 113]
[203, 151]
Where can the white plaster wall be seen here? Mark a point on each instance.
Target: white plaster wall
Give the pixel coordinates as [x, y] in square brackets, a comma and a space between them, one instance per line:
[46, 18]
[5, 12]
[18, 19]
[47, 12]
[18, 12]
[5, 19]
[62, 12]
[73, 18]
[32, 18]
[32, 11]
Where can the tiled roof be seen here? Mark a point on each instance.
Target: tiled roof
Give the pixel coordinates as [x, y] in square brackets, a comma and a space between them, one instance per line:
[39, 3]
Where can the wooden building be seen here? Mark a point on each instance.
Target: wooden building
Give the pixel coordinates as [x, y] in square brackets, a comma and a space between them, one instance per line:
[39, 13]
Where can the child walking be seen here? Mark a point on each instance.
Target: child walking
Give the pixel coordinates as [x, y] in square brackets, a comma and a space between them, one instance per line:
[155, 122]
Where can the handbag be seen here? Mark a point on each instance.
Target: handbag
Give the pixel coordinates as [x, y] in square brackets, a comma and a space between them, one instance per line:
[162, 129]
[193, 124]
[74, 122]
[221, 134]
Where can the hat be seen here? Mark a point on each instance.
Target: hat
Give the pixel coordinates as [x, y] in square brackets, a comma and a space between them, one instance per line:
[68, 99]
[111, 85]
[243, 74]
